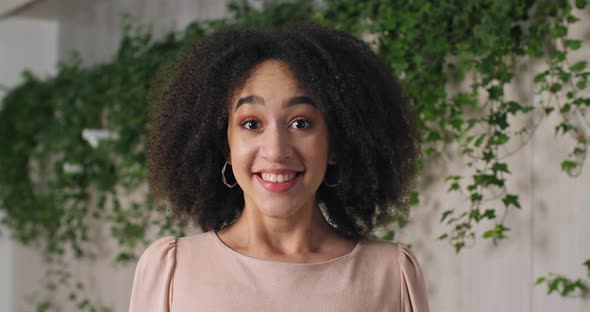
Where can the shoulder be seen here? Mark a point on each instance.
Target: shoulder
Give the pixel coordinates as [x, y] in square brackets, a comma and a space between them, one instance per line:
[393, 256]
[154, 275]
[390, 251]
[157, 259]
[151, 283]
[398, 258]
[167, 249]
[159, 251]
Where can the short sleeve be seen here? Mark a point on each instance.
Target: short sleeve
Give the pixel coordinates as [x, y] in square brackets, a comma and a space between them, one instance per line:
[413, 290]
[152, 284]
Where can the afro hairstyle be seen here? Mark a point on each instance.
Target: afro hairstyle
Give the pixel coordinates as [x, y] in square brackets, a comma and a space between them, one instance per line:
[372, 129]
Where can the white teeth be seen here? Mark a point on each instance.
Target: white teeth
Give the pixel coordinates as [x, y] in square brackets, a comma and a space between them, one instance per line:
[280, 178]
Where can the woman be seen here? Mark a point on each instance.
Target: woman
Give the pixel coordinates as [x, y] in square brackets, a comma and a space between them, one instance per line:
[285, 147]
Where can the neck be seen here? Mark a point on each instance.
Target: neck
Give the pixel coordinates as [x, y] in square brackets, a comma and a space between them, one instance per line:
[298, 235]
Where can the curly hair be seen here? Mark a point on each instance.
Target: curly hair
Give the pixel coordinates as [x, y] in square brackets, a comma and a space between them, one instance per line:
[371, 126]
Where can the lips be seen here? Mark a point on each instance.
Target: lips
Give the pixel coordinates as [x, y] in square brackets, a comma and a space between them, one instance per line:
[276, 186]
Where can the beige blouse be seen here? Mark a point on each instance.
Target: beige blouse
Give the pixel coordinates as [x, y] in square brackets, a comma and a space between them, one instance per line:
[200, 273]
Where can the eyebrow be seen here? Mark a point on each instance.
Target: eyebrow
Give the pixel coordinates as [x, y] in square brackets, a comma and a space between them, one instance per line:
[255, 99]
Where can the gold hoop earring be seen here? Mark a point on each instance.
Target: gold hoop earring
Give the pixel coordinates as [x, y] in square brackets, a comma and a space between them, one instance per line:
[223, 176]
[329, 184]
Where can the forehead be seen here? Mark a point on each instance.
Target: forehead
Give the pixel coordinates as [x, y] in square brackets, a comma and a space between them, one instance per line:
[271, 77]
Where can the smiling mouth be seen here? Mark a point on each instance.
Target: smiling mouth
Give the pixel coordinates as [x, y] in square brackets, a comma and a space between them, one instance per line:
[278, 182]
[278, 178]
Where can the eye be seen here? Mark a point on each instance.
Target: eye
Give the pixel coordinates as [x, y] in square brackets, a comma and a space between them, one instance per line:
[251, 124]
[301, 124]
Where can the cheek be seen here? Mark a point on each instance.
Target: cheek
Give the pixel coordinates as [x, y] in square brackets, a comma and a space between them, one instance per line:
[241, 152]
[315, 149]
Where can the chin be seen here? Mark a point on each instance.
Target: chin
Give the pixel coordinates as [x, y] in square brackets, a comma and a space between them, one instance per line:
[279, 208]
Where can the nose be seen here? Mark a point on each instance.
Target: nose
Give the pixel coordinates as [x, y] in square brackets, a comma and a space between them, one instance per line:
[276, 144]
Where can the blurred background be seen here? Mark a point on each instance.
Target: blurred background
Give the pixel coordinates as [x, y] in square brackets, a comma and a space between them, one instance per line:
[500, 220]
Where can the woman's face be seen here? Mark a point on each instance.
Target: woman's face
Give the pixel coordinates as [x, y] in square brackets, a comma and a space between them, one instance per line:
[278, 142]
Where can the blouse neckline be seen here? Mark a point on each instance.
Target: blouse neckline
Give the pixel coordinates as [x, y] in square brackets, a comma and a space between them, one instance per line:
[233, 252]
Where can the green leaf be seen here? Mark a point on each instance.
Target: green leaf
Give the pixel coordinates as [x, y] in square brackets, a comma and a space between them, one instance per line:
[556, 87]
[572, 44]
[511, 200]
[480, 140]
[83, 304]
[579, 66]
[514, 107]
[566, 108]
[563, 127]
[568, 165]
[559, 31]
[564, 76]
[558, 56]
[541, 77]
[452, 178]
[500, 138]
[553, 285]
[475, 214]
[499, 119]
[488, 179]
[476, 197]
[579, 152]
[488, 155]
[459, 246]
[488, 234]
[489, 214]
[497, 232]
[500, 167]
[430, 151]
[572, 19]
[389, 236]
[495, 92]
[456, 123]
[414, 199]
[581, 4]
[445, 214]
[540, 280]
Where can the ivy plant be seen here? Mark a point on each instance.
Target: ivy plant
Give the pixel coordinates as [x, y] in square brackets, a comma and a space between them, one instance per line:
[73, 145]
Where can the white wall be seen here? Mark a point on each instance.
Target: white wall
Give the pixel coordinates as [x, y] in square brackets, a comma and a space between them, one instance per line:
[549, 234]
[5, 271]
[32, 44]
[93, 28]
